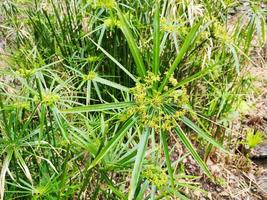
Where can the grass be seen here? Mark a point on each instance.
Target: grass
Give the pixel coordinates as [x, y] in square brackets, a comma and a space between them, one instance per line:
[100, 88]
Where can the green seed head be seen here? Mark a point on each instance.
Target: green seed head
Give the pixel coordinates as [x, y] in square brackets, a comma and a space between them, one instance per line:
[21, 105]
[150, 104]
[107, 4]
[155, 175]
[90, 76]
[50, 98]
[26, 73]
[92, 59]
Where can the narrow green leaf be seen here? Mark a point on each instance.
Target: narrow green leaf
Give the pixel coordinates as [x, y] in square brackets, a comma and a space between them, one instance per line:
[186, 142]
[60, 123]
[119, 135]
[114, 60]
[202, 133]
[192, 78]
[153, 192]
[88, 92]
[187, 43]
[249, 35]
[236, 59]
[111, 84]
[117, 192]
[132, 43]
[115, 189]
[4, 169]
[141, 194]
[167, 157]
[243, 53]
[178, 194]
[263, 32]
[138, 163]
[23, 166]
[127, 157]
[98, 107]
[156, 40]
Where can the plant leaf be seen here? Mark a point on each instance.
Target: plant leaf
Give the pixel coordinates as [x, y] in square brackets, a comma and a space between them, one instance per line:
[156, 40]
[121, 132]
[192, 78]
[141, 194]
[202, 133]
[98, 107]
[3, 173]
[167, 157]
[114, 60]
[186, 142]
[138, 163]
[132, 43]
[111, 84]
[187, 43]
[236, 59]
[23, 166]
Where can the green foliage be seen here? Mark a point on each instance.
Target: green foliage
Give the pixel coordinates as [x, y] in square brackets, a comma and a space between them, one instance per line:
[253, 139]
[97, 96]
[155, 175]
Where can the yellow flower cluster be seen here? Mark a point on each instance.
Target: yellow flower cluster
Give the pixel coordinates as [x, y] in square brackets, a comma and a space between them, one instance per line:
[221, 32]
[167, 26]
[26, 73]
[21, 105]
[107, 4]
[173, 26]
[92, 59]
[50, 98]
[111, 22]
[90, 76]
[155, 109]
[155, 175]
[173, 81]
[228, 2]
[151, 78]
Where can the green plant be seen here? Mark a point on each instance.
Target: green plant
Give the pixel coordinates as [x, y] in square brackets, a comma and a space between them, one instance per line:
[101, 89]
[253, 138]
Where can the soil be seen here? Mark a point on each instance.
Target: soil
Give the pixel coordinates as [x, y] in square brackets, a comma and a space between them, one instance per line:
[237, 176]
[259, 154]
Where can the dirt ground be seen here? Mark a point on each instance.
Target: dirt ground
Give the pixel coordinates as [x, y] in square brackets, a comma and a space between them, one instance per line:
[258, 119]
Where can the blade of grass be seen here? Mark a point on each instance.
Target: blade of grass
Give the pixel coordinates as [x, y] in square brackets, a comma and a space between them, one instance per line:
[119, 135]
[138, 163]
[141, 194]
[249, 35]
[60, 123]
[189, 40]
[192, 78]
[156, 41]
[23, 166]
[98, 107]
[132, 44]
[201, 133]
[4, 169]
[236, 59]
[167, 157]
[114, 60]
[111, 84]
[186, 142]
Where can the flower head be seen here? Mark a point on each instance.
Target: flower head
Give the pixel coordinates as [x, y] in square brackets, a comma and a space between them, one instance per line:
[50, 98]
[155, 175]
[26, 73]
[152, 106]
[107, 4]
[90, 76]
